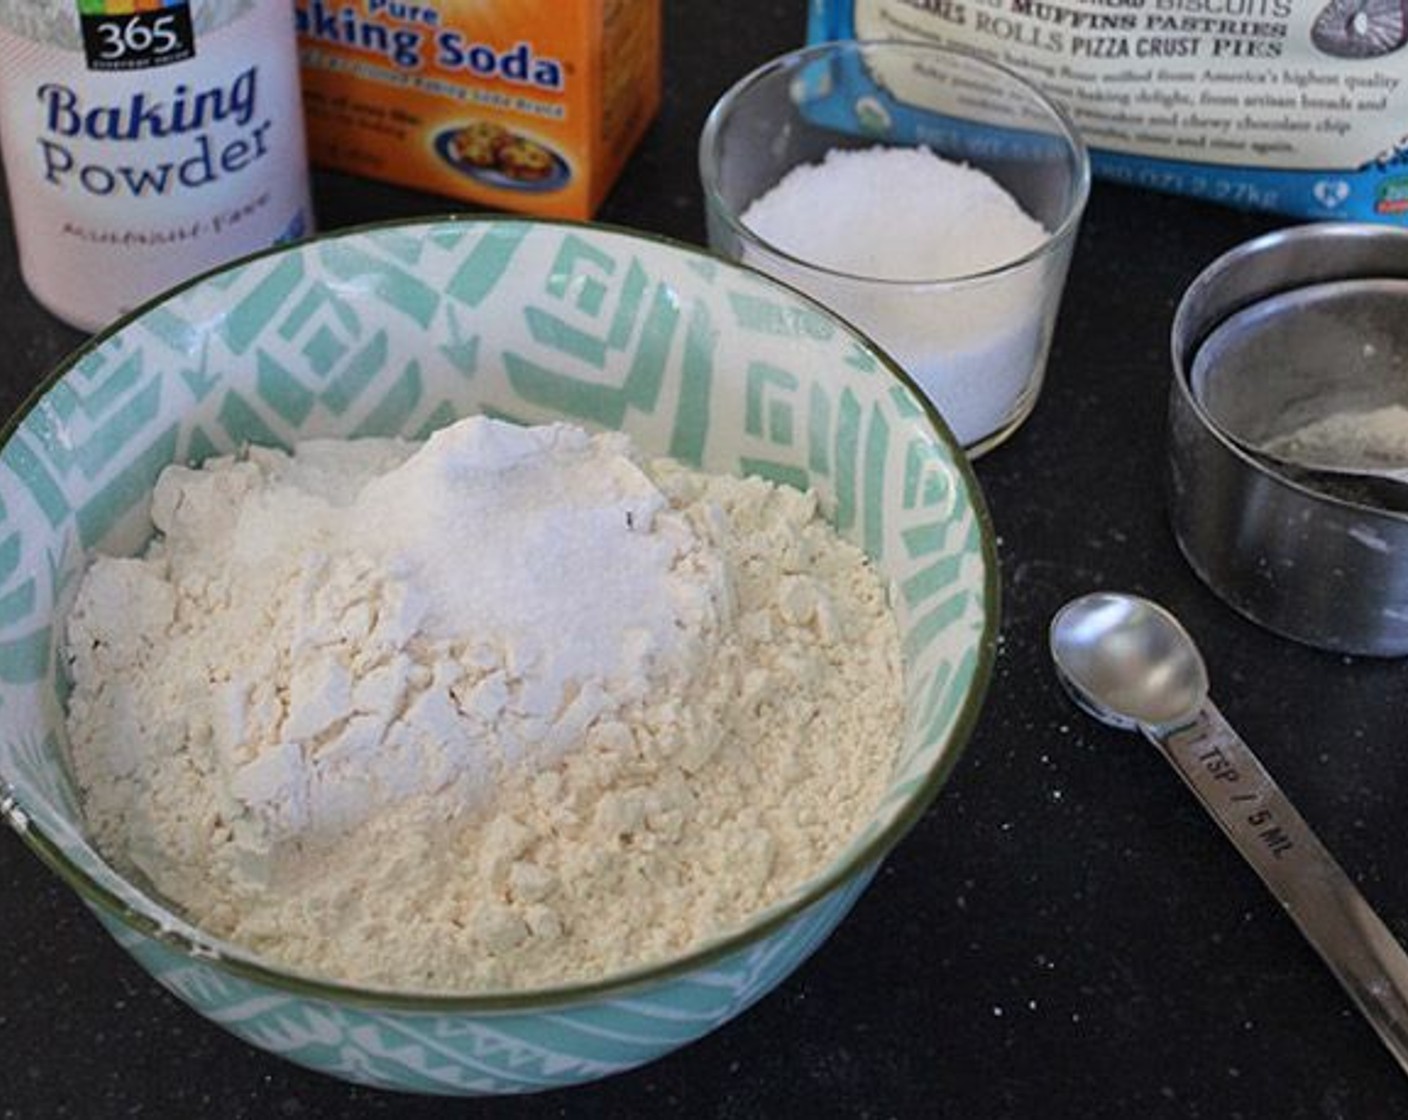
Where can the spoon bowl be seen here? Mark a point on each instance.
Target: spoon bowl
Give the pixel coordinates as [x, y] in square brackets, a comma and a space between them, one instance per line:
[1127, 661]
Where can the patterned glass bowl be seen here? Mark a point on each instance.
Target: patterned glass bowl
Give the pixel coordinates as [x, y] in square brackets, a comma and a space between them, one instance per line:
[397, 330]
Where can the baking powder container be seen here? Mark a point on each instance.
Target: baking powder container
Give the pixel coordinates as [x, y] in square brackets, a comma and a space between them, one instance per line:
[146, 143]
[1312, 563]
[976, 344]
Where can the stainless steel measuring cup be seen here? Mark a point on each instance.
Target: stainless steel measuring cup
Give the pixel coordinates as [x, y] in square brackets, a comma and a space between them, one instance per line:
[1315, 566]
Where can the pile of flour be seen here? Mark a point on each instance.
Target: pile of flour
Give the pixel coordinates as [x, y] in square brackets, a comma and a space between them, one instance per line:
[510, 708]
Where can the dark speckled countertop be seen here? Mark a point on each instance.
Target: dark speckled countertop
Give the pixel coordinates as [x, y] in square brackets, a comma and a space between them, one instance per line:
[1065, 934]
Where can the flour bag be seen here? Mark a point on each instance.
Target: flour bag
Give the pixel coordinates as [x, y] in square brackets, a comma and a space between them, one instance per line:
[1293, 106]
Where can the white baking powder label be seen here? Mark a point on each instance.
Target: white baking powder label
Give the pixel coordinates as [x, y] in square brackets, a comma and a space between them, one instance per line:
[127, 180]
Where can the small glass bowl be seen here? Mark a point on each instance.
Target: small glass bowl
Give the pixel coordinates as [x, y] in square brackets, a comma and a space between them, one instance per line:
[975, 344]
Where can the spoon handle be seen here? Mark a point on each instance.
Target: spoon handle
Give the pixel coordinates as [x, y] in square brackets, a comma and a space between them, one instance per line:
[1258, 818]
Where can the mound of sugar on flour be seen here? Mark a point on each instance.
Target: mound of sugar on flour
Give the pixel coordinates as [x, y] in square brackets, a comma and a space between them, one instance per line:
[510, 708]
[552, 546]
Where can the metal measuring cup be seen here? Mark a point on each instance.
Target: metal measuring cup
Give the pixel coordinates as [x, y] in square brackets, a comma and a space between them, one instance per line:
[1304, 560]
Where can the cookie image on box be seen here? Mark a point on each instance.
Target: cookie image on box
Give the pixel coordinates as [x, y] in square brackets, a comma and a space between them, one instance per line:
[499, 157]
[478, 143]
[1361, 28]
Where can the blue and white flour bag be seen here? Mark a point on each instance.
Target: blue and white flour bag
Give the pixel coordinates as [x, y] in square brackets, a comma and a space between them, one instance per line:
[1292, 106]
[145, 142]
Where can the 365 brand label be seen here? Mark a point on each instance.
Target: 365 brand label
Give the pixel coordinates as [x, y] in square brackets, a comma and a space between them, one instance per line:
[136, 34]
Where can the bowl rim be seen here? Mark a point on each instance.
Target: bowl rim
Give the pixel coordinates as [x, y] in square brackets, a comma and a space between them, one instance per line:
[1051, 244]
[156, 921]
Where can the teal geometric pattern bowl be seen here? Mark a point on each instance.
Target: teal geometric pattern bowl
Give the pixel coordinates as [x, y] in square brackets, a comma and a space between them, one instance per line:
[397, 330]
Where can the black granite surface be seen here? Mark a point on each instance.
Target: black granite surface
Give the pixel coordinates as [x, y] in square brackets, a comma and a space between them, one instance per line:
[1065, 934]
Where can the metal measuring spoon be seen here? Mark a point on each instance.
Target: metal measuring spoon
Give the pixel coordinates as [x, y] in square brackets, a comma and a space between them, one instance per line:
[1130, 664]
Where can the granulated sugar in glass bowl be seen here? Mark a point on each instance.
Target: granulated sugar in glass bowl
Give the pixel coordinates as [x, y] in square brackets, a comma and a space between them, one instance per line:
[398, 331]
[929, 196]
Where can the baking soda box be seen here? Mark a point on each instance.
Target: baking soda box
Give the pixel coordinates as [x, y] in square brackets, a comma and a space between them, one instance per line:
[527, 105]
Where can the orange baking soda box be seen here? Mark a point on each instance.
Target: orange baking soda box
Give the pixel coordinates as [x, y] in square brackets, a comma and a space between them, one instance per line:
[529, 105]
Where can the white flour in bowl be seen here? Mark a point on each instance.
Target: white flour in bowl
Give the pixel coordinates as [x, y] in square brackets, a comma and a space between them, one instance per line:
[506, 709]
